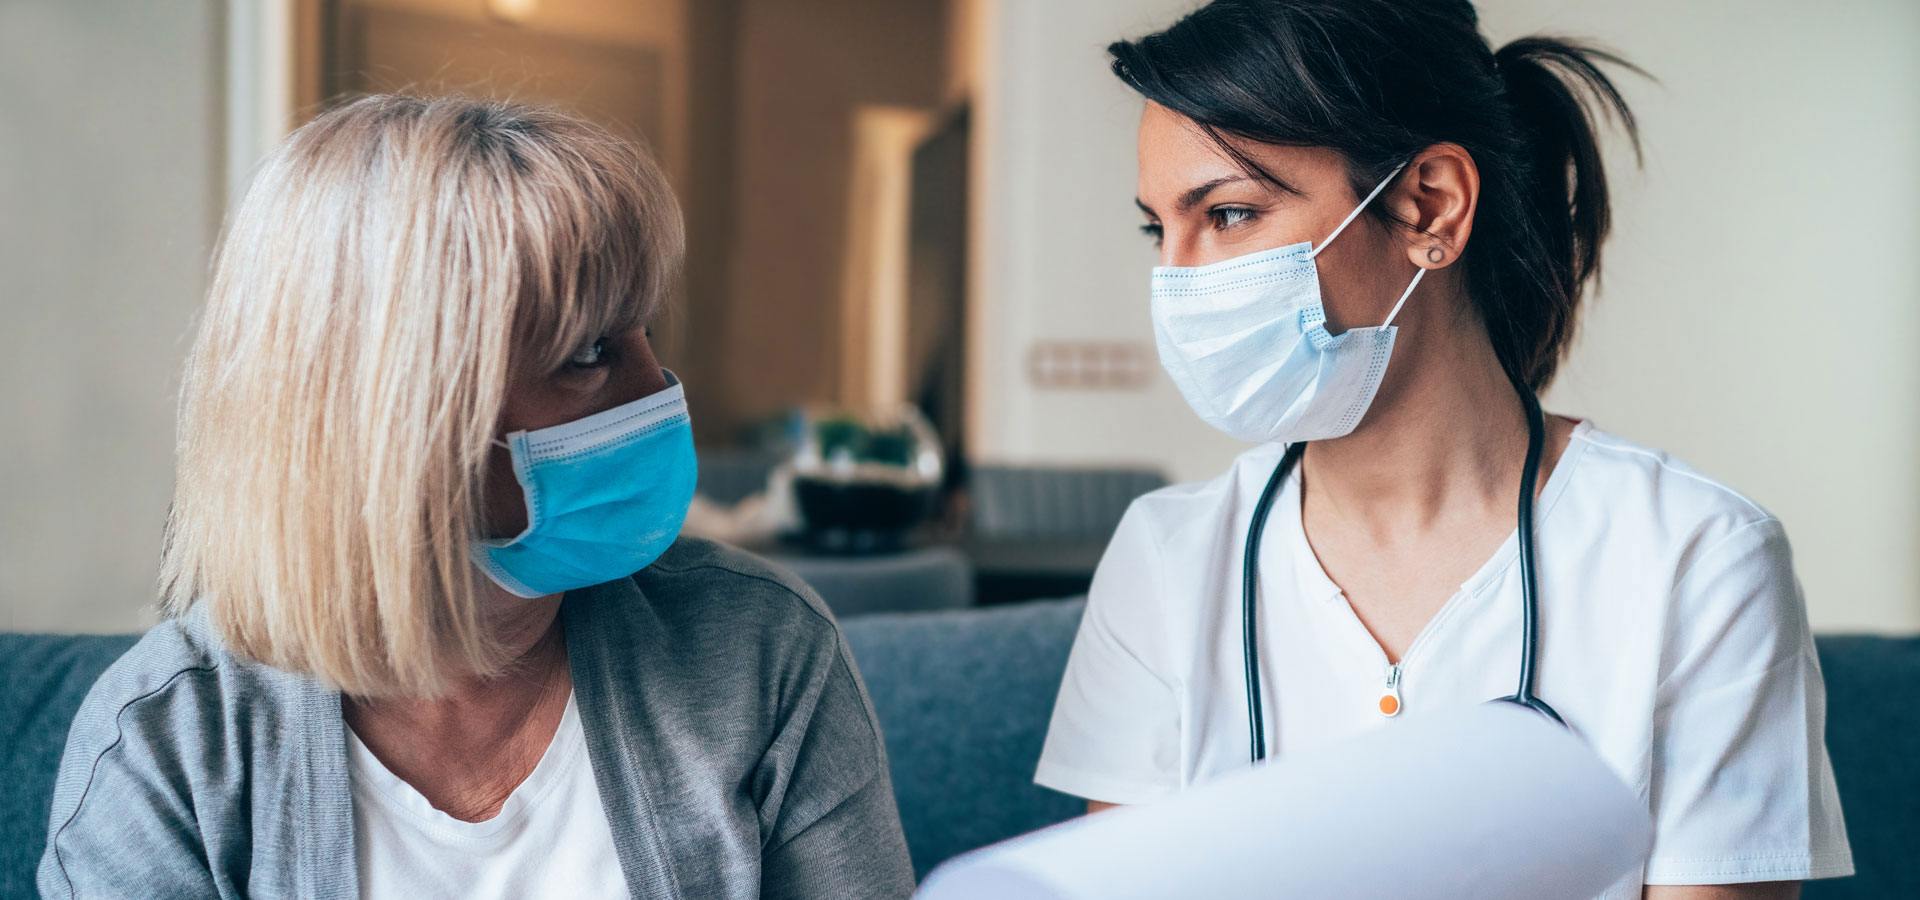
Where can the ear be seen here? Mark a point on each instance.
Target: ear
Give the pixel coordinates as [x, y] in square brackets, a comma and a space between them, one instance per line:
[1438, 193]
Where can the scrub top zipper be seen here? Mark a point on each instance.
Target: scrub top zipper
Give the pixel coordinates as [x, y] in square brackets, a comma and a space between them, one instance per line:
[1389, 704]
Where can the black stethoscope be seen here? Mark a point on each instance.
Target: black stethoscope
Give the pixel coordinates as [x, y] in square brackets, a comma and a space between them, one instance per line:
[1529, 587]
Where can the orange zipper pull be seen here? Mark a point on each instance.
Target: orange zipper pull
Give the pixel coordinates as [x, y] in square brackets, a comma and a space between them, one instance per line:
[1390, 699]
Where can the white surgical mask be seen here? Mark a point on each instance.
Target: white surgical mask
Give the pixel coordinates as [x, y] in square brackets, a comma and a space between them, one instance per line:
[1246, 342]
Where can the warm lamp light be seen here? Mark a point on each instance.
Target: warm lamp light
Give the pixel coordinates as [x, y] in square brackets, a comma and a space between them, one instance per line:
[513, 10]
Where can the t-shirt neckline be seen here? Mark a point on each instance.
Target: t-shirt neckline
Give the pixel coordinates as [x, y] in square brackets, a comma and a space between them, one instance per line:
[373, 782]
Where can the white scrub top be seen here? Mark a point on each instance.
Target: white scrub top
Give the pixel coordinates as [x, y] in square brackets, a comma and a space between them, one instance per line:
[1673, 638]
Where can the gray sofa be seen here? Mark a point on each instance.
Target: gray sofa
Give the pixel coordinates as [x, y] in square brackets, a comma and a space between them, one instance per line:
[964, 699]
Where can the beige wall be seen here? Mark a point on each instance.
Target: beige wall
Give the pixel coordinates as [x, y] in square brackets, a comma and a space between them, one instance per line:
[1057, 251]
[1761, 306]
[805, 69]
[110, 190]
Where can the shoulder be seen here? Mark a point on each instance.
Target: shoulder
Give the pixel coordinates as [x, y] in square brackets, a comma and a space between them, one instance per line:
[1172, 548]
[1184, 528]
[173, 673]
[175, 690]
[705, 611]
[698, 579]
[169, 657]
[725, 649]
[167, 683]
[1720, 561]
[1653, 494]
[1198, 509]
[162, 742]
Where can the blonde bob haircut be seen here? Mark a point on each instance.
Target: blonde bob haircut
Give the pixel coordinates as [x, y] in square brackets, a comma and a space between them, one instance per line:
[393, 261]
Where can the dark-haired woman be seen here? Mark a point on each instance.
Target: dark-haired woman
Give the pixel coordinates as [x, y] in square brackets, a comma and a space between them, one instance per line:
[1374, 234]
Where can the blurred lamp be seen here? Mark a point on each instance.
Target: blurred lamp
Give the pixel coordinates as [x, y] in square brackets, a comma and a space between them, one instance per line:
[513, 10]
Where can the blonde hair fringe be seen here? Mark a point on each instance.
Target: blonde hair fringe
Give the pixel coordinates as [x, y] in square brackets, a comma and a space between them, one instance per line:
[391, 264]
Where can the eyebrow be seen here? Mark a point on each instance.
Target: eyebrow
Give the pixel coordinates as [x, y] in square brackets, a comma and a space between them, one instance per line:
[1193, 195]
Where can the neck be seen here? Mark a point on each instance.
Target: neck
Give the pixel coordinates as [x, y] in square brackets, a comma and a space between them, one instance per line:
[1446, 433]
[466, 751]
[479, 708]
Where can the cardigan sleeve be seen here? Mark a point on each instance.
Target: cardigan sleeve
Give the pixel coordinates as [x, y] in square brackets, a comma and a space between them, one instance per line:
[834, 830]
[123, 822]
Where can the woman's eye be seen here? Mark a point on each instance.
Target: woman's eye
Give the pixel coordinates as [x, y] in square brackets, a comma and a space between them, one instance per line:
[590, 356]
[1152, 230]
[1225, 217]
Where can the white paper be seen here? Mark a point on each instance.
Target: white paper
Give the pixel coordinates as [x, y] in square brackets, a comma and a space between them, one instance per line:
[1495, 802]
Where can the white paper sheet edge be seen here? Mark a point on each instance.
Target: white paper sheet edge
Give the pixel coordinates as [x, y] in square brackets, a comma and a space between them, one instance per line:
[1491, 803]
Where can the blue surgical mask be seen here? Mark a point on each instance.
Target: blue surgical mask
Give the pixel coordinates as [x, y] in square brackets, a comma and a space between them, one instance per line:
[1246, 342]
[606, 495]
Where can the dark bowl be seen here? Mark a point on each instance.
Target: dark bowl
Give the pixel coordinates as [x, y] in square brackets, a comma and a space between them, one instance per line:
[854, 513]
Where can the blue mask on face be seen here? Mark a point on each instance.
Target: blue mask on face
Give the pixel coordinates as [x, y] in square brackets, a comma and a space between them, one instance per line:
[606, 495]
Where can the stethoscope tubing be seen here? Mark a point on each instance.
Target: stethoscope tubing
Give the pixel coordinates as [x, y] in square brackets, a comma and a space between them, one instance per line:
[1529, 582]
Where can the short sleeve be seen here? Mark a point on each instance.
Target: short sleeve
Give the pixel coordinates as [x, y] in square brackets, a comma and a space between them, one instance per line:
[1742, 790]
[1115, 734]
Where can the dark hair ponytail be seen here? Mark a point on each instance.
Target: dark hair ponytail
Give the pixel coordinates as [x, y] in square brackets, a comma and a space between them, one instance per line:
[1380, 80]
[1566, 185]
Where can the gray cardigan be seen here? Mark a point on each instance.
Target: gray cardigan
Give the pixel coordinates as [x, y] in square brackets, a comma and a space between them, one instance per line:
[735, 749]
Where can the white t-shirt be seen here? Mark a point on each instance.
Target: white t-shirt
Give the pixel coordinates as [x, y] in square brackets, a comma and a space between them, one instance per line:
[551, 838]
[1673, 638]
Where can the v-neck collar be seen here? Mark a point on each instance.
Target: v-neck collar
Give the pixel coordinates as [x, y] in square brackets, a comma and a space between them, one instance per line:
[1314, 584]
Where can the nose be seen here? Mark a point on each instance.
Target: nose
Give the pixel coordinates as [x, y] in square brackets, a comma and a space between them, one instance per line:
[1179, 247]
[645, 378]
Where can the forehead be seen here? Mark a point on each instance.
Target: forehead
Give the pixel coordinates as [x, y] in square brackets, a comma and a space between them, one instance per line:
[1176, 154]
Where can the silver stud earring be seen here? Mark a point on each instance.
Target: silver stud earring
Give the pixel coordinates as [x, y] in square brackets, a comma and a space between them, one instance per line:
[1435, 254]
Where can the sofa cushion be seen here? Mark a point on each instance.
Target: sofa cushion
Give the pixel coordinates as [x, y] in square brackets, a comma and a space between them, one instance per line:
[43, 678]
[1873, 735]
[964, 698]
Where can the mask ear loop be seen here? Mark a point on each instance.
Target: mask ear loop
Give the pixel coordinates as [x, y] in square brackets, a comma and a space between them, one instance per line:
[1418, 274]
[1357, 210]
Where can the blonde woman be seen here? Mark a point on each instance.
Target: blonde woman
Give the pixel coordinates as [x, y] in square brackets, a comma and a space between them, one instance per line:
[430, 632]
